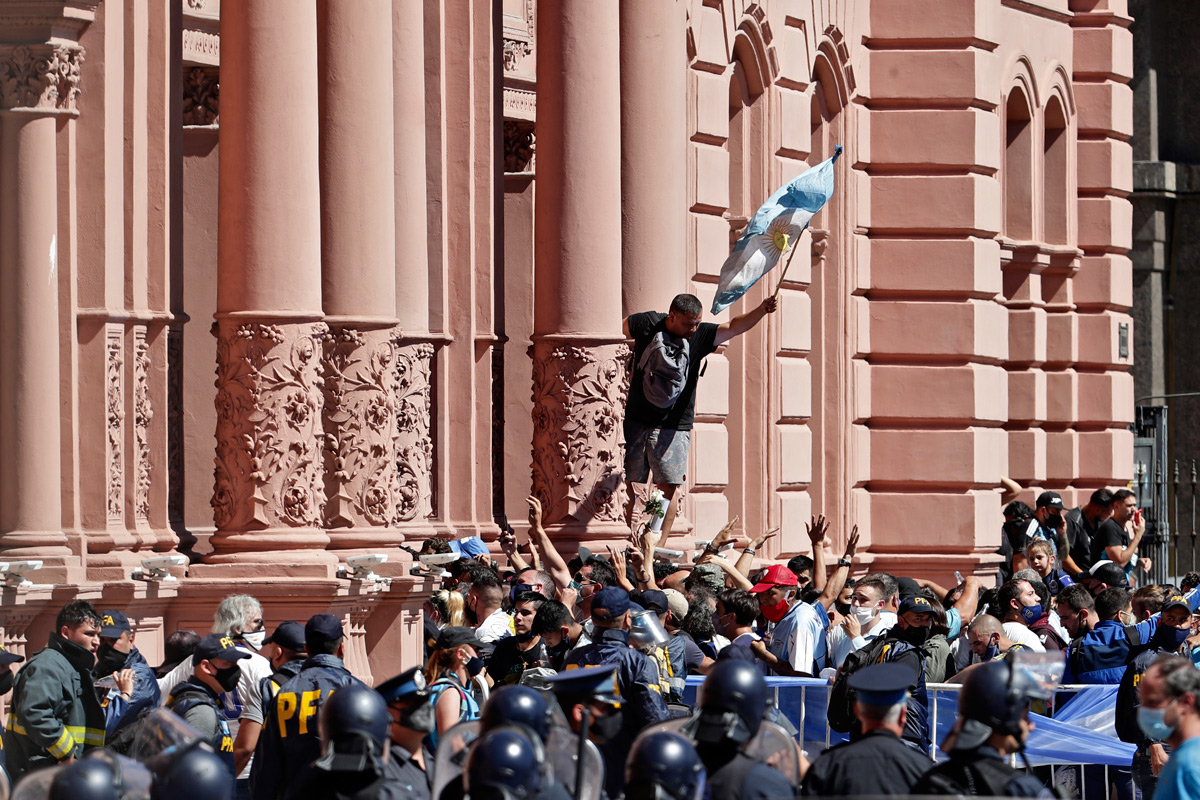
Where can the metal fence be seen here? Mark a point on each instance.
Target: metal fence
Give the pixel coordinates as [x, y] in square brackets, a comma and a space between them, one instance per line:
[1166, 491]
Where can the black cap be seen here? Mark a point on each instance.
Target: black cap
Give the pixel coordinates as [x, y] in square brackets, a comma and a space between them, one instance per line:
[322, 629]
[1174, 600]
[1108, 573]
[918, 603]
[113, 623]
[610, 603]
[289, 635]
[408, 685]
[599, 683]
[217, 646]
[1050, 500]
[456, 636]
[907, 586]
[7, 658]
[655, 600]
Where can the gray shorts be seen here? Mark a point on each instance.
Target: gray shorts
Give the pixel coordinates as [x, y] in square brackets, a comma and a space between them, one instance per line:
[661, 450]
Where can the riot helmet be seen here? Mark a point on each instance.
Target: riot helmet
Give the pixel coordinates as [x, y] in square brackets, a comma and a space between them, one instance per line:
[732, 701]
[190, 772]
[504, 764]
[996, 695]
[354, 730]
[517, 705]
[664, 766]
[100, 776]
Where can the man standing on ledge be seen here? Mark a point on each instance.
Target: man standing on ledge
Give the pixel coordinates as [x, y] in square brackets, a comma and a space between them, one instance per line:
[668, 352]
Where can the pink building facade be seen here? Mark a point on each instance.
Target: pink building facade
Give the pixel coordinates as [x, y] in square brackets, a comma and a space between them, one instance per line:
[403, 236]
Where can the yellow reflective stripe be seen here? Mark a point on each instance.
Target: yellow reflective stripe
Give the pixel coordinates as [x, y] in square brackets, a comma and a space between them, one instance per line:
[64, 746]
[76, 733]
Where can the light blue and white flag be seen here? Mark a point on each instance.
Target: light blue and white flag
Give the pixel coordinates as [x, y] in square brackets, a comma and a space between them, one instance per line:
[773, 229]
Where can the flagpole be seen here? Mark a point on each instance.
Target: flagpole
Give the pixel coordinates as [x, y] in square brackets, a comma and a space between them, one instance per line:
[785, 269]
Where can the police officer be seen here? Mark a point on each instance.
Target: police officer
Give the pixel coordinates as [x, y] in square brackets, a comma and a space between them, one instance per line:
[193, 773]
[732, 702]
[664, 766]
[409, 703]
[993, 722]
[879, 762]
[289, 739]
[7, 677]
[100, 775]
[590, 699]
[517, 705]
[354, 741]
[117, 653]
[506, 764]
[197, 700]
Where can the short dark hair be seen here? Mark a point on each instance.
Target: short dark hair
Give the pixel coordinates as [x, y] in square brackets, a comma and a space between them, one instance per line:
[1042, 591]
[179, 645]
[1121, 495]
[739, 602]
[75, 613]
[698, 623]
[1010, 591]
[1101, 497]
[1077, 597]
[435, 545]
[1190, 581]
[1017, 510]
[324, 647]
[664, 569]
[687, 304]
[551, 615]
[1112, 601]
[1150, 599]
[602, 571]
[536, 599]
[800, 564]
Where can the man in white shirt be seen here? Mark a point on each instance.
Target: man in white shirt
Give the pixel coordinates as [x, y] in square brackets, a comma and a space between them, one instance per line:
[1018, 605]
[483, 605]
[863, 625]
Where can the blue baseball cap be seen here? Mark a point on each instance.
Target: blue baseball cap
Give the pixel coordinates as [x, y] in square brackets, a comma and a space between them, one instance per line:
[113, 623]
[610, 603]
[322, 628]
[216, 645]
[289, 635]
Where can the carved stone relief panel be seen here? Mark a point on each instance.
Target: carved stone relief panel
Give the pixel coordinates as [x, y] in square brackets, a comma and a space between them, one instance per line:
[269, 431]
[175, 427]
[143, 412]
[518, 146]
[41, 77]
[114, 402]
[201, 96]
[415, 445]
[578, 446]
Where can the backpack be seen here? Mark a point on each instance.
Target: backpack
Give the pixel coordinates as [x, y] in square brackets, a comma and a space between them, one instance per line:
[841, 697]
[664, 369]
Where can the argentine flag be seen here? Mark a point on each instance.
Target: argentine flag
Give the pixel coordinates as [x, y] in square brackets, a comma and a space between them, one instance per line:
[773, 229]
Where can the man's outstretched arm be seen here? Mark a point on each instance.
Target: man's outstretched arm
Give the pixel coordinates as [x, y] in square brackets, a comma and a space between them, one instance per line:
[740, 324]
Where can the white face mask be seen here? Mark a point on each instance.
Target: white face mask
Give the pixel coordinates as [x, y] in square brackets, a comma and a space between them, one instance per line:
[864, 614]
[255, 639]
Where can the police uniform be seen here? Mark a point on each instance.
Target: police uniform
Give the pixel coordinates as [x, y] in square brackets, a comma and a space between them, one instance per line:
[409, 690]
[289, 740]
[200, 705]
[879, 762]
[6, 683]
[600, 684]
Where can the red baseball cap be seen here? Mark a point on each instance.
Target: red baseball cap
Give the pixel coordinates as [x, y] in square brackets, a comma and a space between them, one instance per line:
[776, 575]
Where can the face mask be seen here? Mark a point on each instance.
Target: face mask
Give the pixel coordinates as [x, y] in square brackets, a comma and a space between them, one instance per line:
[229, 677]
[1168, 638]
[993, 650]
[1150, 720]
[914, 636]
[1031, 614]
[842, 608]
[1054, 521]
[420, 719]
[474, 666]
[108, 660]
[524, 637]
[517, 590]
[254, 639]
[777, 611]
[606, 728]
[864, 614]
[6, 680]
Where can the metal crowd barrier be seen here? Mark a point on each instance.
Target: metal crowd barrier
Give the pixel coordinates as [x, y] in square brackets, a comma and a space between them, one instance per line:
[1073, 744]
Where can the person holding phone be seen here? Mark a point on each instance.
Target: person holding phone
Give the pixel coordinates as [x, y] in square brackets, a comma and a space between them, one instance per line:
[1113, 541]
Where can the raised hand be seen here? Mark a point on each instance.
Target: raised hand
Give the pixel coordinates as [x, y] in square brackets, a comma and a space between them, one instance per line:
[535, 511]
[817, 530]
[852, 543]
[725, 534]
[761, 540]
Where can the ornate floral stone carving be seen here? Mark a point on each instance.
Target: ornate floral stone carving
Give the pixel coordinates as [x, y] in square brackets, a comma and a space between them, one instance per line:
[201, 96]
[175, 427]
[376, 417]
[143, 412]
[269, 433]
[114, 422]
[42, 77]
[578, 446]
[518, 146]
[514, 51]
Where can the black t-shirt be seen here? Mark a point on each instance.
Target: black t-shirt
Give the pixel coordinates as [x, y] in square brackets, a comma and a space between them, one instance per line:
[642, 328]
[1110, 533]
[508, 661]
[1080, 534]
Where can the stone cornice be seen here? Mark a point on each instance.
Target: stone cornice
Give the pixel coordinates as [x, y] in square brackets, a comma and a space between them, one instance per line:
[60, 21]
[40, 77]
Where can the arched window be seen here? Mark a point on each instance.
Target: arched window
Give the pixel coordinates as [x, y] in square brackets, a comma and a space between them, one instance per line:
[1018, 168]
[1054, 180]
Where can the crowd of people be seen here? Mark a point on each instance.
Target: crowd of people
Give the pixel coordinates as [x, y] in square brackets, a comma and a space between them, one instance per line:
[582, 663]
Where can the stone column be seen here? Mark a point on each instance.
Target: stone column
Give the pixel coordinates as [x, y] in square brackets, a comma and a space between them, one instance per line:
[653, 153]
[269, 489]
[578, 351]
[40, 82]
[376, 473]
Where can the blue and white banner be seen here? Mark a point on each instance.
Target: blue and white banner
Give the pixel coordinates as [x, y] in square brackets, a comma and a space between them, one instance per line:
[773, 229]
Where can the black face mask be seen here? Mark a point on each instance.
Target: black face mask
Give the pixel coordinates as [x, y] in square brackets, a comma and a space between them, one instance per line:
[108, 660]
[6, 680]
[229, 677]
[606, 728]
[1054, 521]
[914, 636]
[420, 719]
[842, 608]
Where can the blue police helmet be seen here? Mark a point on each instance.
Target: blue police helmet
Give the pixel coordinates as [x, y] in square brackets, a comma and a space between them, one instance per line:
[503, 764]
[664, 766]
[996, 696]
[516, 705]
[196, 774]
[89, 779]
[354, 723]
[732, 701]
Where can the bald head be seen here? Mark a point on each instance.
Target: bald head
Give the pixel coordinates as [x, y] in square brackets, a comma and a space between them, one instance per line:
[986, 625]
